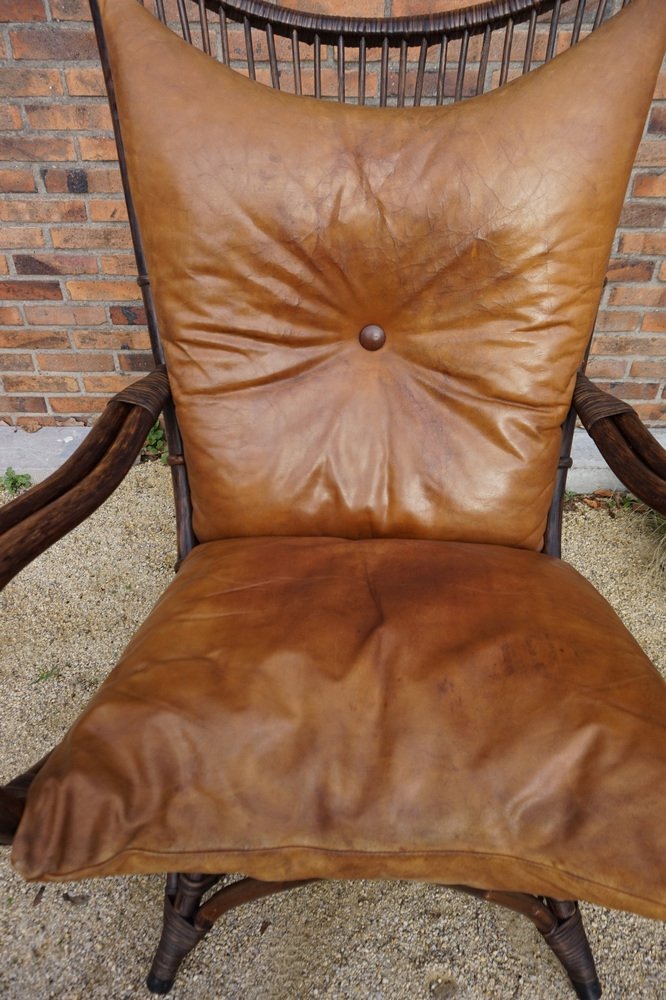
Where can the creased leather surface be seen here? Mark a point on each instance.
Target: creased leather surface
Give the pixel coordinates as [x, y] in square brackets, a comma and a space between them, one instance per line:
[477, 236]
[379, 708]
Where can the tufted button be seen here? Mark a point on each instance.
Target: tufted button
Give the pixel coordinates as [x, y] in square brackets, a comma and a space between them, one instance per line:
[372, 337]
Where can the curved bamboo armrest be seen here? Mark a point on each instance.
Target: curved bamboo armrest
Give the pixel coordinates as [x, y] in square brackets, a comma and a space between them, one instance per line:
[36, 519]
[633, 454]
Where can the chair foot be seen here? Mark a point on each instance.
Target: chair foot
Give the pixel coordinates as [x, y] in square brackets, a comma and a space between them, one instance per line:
[161, 986]
[587, 991]
[179, 935]
[568, 941]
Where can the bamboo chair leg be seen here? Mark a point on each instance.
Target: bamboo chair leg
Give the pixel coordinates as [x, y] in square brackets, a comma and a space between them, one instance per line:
[179, 934]
[187, 920]
[568, 941]
[560, 924]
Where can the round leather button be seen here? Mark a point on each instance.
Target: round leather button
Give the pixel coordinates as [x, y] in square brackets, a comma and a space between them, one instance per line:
[372, 337]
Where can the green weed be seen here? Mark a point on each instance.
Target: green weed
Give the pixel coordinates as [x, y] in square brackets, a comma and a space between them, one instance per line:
[15, 482]
[155, 446]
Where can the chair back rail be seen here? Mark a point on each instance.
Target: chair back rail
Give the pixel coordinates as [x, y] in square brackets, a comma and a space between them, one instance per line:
[427, 59]
[424, 59]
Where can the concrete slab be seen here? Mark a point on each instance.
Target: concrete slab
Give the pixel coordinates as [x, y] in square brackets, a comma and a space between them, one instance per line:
[38, 453]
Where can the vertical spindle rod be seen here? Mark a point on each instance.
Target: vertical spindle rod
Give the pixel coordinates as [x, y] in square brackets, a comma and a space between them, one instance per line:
[529, 43]
[552, 34]
[341, 69]
[402, 72]
[462, 66]
[205, 35]
[441, 72]
[272, 57]
[483, 64]
[184, 22]
[224, 34]
[296, 60]
[249, 48]
[420, 72]
[362, 57]
[317, 66]
[383, 78]
[506, 52]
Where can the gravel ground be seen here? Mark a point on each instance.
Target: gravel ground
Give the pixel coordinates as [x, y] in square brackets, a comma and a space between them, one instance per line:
[66, 619]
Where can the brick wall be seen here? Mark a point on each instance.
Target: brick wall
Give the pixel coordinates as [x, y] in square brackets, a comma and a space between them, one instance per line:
[71, 321]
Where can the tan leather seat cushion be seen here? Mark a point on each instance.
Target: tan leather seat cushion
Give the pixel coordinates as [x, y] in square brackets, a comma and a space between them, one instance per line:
[476, 235]
[408, 709]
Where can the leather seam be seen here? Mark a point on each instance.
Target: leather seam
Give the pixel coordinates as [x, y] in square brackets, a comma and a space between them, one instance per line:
[361, 854]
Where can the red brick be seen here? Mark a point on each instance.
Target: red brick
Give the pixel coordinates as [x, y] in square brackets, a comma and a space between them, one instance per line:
[85, 82]
[31, 424]
[104, 180]
[129, 340]
[617, 321]
[638, 295]
[606, 368]
[14, 362]
[96, 148]
[29, 148]
[30, 290]
[92, 237]
[634, 345]
[34, 340]
[637, 215]
[65, 315]
[76, 361]
[107, 383]
[103, 291]
[21, 10]
[97, 180]
[651, 153]
[54, 263]
[16, 181]
[632, 390]
[40, 383]
[107, 210]
[10, 316]
[77, 404]
[654, 323]
[643, 243]
[10, 118]
[18, 82]
[41, 210]
[22, 404]
[70, 10]
[657, 123]
[650, 412]
[119, 263]
[4, 266]
[660, 90]
[136, 362]
[650, 186]
[649, 369]
[128, 315]
[662, 272]
[20, 237]
[45, 43]
[86, 117]
[630, 270]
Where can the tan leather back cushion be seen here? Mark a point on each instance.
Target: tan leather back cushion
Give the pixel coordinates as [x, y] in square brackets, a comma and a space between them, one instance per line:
[476, 236]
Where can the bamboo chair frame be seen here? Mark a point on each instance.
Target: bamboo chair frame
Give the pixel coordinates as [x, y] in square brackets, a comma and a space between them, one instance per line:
[32, 522]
